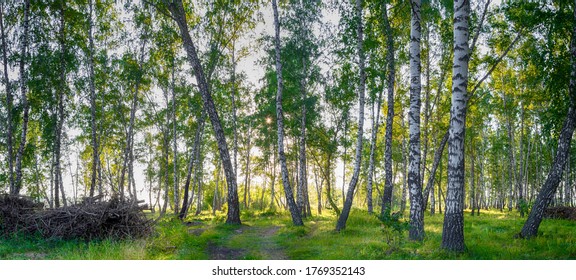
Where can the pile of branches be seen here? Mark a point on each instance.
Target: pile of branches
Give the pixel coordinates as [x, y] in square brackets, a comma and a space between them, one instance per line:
[562, 212]
[12, 211]
[91, 219]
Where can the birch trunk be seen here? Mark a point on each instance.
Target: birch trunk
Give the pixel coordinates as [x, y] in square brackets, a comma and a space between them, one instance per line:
[303, 182]
[193, 157]
[425, 135]
[234, 117]
[175, 145]
[416, 231]
[296, 218]
[60, 101]
[375, 125]
[432, 176]
[9, 103]
[247, 172]
[472, 185]
[177, 10]
[95, 148]
[130, 136]
[512, 163]
[453, 228]
[24, 97]
[530, 228]
[273, 183]
[361, 90]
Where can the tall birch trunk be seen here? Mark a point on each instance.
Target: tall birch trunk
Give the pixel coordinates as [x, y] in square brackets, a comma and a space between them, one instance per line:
[176, 187]
[425, 135]
[296, 217]
[453, 228]
[9, 103]
[375, 125]
[60, 101]
[361, 90]
[234, 116]
[177, 10]
[24, 97]
[416, 231]
[95, 148]
[303, 180]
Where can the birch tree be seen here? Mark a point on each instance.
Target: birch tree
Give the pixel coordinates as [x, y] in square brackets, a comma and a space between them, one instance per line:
[387, 196]
[453, 228]
[176, 9]
[24, 96]
[343, 217]
[414, 181]
[294, 212]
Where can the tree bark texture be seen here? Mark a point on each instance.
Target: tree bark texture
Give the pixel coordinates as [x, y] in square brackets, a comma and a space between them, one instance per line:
[453, 228]
[416, 231]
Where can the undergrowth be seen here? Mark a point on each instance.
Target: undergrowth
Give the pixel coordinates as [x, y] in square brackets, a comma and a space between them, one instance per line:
[269, 234]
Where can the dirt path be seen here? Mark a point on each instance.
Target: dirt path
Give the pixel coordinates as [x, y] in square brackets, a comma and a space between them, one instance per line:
[260, 243]
[269, 249]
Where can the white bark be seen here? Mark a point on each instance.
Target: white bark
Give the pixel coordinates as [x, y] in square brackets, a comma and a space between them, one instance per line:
[416, 231]
[296, 218]
[453, 229]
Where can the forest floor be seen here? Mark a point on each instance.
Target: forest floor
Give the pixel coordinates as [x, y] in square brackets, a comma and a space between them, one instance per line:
[266, 235]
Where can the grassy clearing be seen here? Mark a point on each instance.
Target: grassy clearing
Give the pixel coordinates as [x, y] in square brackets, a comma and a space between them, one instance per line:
[267, 235]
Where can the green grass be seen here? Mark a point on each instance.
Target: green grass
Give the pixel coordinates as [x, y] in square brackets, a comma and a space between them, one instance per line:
[266, 235]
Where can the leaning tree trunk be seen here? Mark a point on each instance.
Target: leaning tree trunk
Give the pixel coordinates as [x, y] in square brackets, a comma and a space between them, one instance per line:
[177, 10]
[432, 176]
[416, 231]
[453, 228]
[296, 218]
[530, 228]
[9, 102]
[25, 104]
[361, 89]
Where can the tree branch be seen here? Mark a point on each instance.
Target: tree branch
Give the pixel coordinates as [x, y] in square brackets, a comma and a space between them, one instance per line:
[495, 64]
[475, 39]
